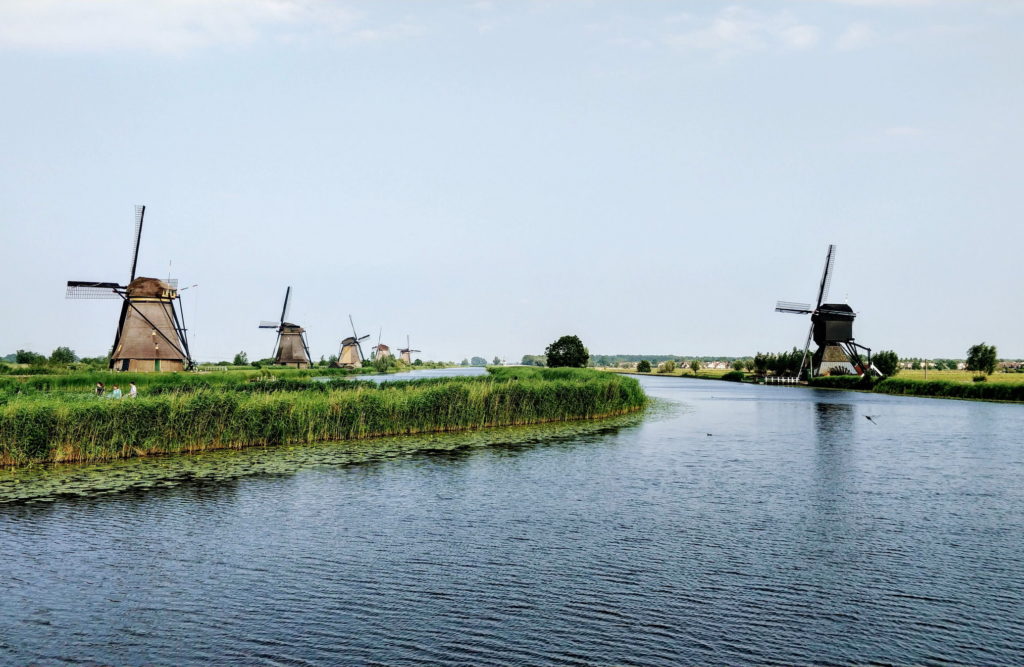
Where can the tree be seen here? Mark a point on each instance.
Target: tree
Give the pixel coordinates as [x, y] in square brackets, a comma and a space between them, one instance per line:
[643, 367]
[695, 366]
[477, 361]
[738, 365]
[63, 356]
[887, 362]
[667, 366]
[981, 358]
[567, 351]
[241, 359]
[534, 360]
[464, 362]
[418, 362]
[28, 357]
[497, 361]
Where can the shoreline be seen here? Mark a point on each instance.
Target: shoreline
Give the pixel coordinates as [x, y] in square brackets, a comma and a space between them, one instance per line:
[53, 427]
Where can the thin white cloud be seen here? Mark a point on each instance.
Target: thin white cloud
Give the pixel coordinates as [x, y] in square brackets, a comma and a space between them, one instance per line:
[171, 26]
[737, 30]
[856, 36]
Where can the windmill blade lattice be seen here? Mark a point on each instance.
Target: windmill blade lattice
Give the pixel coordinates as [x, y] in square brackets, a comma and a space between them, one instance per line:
[140, 214]
[287, 302]
[793, 307]
[79, 289]
[826, 277]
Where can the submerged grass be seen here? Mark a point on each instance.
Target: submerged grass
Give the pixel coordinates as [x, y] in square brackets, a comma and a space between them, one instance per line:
[57, 426]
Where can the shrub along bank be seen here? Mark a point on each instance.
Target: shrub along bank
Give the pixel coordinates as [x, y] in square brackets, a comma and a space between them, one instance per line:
[62, 427]
[996, 391]
[929, 388]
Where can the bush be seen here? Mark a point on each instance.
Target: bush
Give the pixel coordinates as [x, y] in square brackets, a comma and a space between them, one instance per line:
[982, 390]
[842, 381]
[734, 376]
[887, 362]
[643, 367]
[667, 366]
[980, 378]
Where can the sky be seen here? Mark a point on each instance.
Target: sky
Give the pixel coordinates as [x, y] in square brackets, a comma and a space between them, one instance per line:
[488, 176]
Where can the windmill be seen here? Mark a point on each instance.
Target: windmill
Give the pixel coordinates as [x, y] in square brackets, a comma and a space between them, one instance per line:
[151, 334]
[351, 355]
[406, 352]
[380, 350]
[291, 348]
[831, 329]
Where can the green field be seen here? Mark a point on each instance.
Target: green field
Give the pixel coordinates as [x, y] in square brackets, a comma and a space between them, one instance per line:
[959, 376]
[175, 413]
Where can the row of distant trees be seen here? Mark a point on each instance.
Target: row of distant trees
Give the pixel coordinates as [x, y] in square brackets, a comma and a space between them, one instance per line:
[61, 357]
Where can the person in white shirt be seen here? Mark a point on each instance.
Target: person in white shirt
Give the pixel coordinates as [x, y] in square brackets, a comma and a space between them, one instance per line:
[133, 391]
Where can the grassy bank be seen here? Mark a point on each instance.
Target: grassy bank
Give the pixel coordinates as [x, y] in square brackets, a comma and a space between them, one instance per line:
[58, 425]
[986, 391]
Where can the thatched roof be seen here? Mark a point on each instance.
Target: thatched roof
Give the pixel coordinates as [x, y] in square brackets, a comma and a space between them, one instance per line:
[150, 287]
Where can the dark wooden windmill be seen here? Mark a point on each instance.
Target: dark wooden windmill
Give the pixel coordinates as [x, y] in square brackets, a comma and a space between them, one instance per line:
[831, 329]
[405, 353]
[291, 348]
[351, 354]
[151, 334]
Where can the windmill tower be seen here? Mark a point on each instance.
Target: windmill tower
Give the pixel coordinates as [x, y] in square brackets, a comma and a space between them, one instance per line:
[380, 350]
[831, 329]
[351, 354]
[406, 352]
[291, 348]
[151, 334]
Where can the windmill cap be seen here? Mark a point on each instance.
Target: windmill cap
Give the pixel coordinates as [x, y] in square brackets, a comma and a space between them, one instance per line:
[149, 287]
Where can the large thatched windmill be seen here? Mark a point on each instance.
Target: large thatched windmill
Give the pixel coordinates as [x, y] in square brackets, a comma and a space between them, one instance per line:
[831, 329]
[351, 355]
[291, 348]
[151, 334]
[405, 353]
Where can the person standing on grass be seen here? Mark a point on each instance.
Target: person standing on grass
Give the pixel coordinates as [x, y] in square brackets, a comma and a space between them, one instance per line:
[116, 393]
[133, 391]
[99, 389]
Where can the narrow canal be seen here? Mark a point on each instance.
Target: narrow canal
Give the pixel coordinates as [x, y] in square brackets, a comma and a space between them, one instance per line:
[731, 524]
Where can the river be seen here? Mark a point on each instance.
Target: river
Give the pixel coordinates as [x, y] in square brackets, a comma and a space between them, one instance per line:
[730, 524]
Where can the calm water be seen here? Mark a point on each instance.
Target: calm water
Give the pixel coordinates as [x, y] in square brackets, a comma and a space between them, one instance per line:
[730, 525]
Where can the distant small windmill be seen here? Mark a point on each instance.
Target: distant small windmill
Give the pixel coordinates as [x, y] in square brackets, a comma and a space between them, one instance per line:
[291, 348]
[380, 350]
[831, 329]
[406, 352]
[151, 334]
[351, 355]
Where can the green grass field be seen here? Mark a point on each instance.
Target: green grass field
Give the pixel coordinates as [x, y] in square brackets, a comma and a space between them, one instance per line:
[959, 376]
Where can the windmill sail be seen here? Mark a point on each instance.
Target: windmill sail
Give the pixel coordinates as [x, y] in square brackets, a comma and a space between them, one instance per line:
[140, 214]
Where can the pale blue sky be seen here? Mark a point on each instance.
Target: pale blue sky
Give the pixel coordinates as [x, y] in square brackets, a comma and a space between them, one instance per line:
[487, 176]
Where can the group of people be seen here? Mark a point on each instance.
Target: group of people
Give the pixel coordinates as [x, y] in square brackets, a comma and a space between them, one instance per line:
[133, 391]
